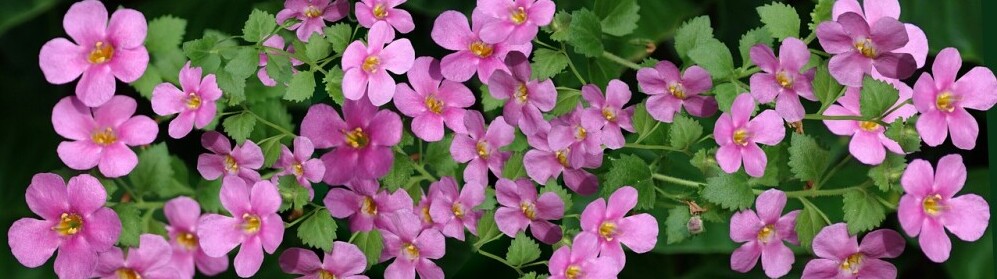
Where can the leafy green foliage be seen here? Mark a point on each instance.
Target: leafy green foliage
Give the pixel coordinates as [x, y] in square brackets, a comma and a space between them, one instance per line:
[155, 174]
[239, 126]
[278, 67]
[675, 225]
[619, 17]
[489, 103]
[438, 156]
[400, 174]
[131, 222]
[316, 48]
[713, 56]
[807, 160]
[371, 244]
[877, 97]
[642, 121]
[808, 224]
[821, 13]
[302, 87]
[522, 250]
[244, 64]
[826, 88]
[886, 176]
[339, 36]
[207, 195]
[780, 19]
[628, 170]
[514, 167]
[647, 194]
[725, 95]
[259, 25]
[318, 231]
[904, 133]
[684, 132]
[561, 192]
[730, 191]
[292, 194]
[271, 152]
[693, 33]
[567, 101]
[757, 36]
[334, 84]
[487, 229]
[585, 33]
[165, 33]
[559, 27]
[548, 63]
[776, 160]
[863, 211]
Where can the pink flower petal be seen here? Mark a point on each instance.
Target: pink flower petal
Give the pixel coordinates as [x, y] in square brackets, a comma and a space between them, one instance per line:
[76, 259]
[767, 128]
[272, 232]
[128, 65]
[218, 234]
[849, 68]
[46, 196]
[934, 242]
[946, 67]
[72, 119]
[96, 86]
[777, 259]
[822, 268]
[976, 89]
[967, 217]
[451, 31]
[167, 99]
[833, 38]
[639, 232]
[950, 176]
[546, 232]
[86, 21]
[663, 107]
[32, 241]
[883, 243]
[793, 54]
[85, 194]
[744, 258]
[833, 242]
[867, 148]
[754, 160]
[744, 226]
[117, 160]
[876, 268]
[127, 29]
[428, 127]
[963, 128]
[247, 262]
[621, 202]
[764, 87]
[769, 205]
[910, 214]
[182, 212]
[729, 158]
[789, 107]
[62, 61]
[840, 127]
[139, 130]
[79, 155]
[300, 261]
[876, 10]
[933, 127]
[763, 56]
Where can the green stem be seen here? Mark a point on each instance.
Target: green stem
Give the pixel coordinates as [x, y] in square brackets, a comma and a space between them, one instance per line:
[499, 259]
[824, 107]
[534, 264]
[268, 123]
[653, 147]
[303, 217]
[620, 60]
[128, 188]
[537, 41]
[833, 171]
[418, 167]
[807, 202]
[642, 137]
[679, 181]
[816, 193]
[353, 237]
[571, 65]
[895, 108]
[567, 89]
[808, 39]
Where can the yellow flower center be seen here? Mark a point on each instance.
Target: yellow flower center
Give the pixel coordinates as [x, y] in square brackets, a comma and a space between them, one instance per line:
[741, 137]
[562, 157]
[426, 216]
[458, 210]
[69, 224]
[868, 126]
[607, 230]
[528, 209]
[482, 148]
[380, 12]
[187, 240]
[371, 63]
[518, 15]
[580, 133]
[945, 101]
[312, 12]
[573, 272]
[784, 80]
[192, 101]
[481, 49]
[865, 48]
[127, 273]
[231, 165]
[323, 274]
[677, 91]
[357, 138]
[765, 234]
[852, 263]
[104, 137]
[102, 52]
[250, 223]
[411, 251]
[932, 205]
[434, 105]
[369, 207]
[608, 114]
[521, 93]
[299, 170]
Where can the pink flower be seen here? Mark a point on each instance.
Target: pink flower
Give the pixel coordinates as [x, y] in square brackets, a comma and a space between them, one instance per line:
[859, 48]
[943, 100]
[608, 111]
[278, 43]
[149, 260]
[367, 66]
[783, 79]
[103, 50]
[363, 140]
[670, 91]
[184, 213]
[868, 138]
[873, 11]
[580, 261]
[254, 224]
[544, 162]
[74, 221]
[241, 161]
[345, 261]
[841, 256]
[313, 15]
[607, 222]
[522, 209]
[472, 55]
[100, 137]
[572, 131]
[370, 12]
[763, 234]
[526, 98]
[454, 210]
[432, 101]
[412, 247]
[929, 206]
[195, 104]
[300, 163]
[422, 208]
[480, 149]
[364, 205]
[738, 136]
[514, 21]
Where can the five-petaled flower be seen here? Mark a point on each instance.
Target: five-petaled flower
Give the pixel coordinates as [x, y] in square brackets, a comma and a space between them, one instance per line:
[544, 162]
[526, 98]
[151, 259]
[183, 214]
[313, 14]
[193, 102]
[480, 148]
[521, 209]
[366, 66]
[608, 112]
[874, 10]
[241, 161]
[344, 261]
[609, 222]
[362, 141]
[300, 164]
[841, 255]
[670, 91]
[860, 48]
[869, 142]
[582, 261]
[364, 204]
[739, 135]
[472, 55]
[254, 224]
[514, 21]
[763, 234]
[413, 247]
[100, 136]
[432, 101]
[783, 79]
[453, 211]
[942, 100]
[370, 12]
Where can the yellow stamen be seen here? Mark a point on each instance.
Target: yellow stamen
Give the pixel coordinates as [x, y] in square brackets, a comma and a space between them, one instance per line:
[250, 223]
[784, 80]
[932, 205]
[521, 93]
[853, 263]
[562, 157]
[323, 274]
[434, 105]
[101, 53]
[357, 138]
[482, 147]
[458, 210]
[607, 230]
[127, 273]
[426, 217]
[573, 272]
[528, 209]
[481, 49]
[945, 102]
[865, 48]
[371, 63]
[69, 224]
[299, 170]
[677, 90]
[868, 126]
[380, 12]
[580, 133]
[765, 234]
[104, 137]
[608, 114]
[368, 206]
[411, 251]
[312, 12]
[231, 165]
[192, 101]
[187, 240]
[741, 137]
[518, 15]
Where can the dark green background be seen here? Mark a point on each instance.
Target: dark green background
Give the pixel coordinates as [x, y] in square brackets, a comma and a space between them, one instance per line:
[27, 143]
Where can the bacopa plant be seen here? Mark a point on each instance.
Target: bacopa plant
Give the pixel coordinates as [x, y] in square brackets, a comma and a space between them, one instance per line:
[399, 156]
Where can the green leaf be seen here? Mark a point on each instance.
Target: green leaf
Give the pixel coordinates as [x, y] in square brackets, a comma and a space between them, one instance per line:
[487, 229]
[713, 56]
[318, 231]
[259, 25]
[279, 68]
[904, 133]
[886, 176]
[821, 13]
[522, 250]
[558, 28]
[165, 33]
[149, 80]
[530, 275]
[694, 32]
[339, 36]
[808, 224]
[676, 229]
[628, 170]
[233, 87]
[705, 161]
[642, 121]
[489, 103]
[684, 132]
[400, 174]
[302, 87]
[438, 156]
[757, 36]
[514, 167]
[334, 84]
[271, 152]
[730, 191]
[725, 95]
[292, 194]
[775, 161]
[244, 64]
[620, 18]
[561, 192]
[207, 195]
[647, 195]
[585, 33]
[780, 19]
[239, 126]
[548, 63]
[202, 53]
[316, 48]
[807, 160]
[825, 86]
[371, 244]
[567, 101]
[863, 211]
[153, 172]
[877, 97]
[131, 224]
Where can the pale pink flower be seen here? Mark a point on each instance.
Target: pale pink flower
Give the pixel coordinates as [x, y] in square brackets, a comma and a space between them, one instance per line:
[841, 255]
[763, 235]
[254, 224]
[572, 131]
[739, 135]
[544, 162]
[480, 148]
[363, 140]
[313, 14]
[344, 262]
[514, 21]
[300, 164]
[370, 12]
[183, 214]
[525, 98]
[149, 260]
[366, 66]
[193, 102]
[100, 137]
[521, 209]
[613, 228]
[412, 247]
[581, 260]
[869, 142]
[432, 101]
[608, 111]
[671, 91]
[453, 211]
[364, 205]
[943, 100]
[241, 161]
[783, 79]
[472, 55]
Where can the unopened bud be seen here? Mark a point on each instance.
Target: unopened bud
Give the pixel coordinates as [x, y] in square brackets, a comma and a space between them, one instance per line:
[695, 225]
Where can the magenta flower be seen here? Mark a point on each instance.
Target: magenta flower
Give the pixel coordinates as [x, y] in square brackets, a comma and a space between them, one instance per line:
[100, 137]
[254, 224]
[480, 149]
[670, 91]
[454, 210]
[763, 235]
[522, 209]
[300, 163]
[278, 43]
[74, 221]
[149, 260]
[184, 213]
[367, 66]
[930, 206]
[943, 100]
[103, 50]
[739, 135]
[544, 162]
[432, 101]
[514, 21]
[412, 247]
[580, 261]
[607, 222]
[370, 12]
[572, 131]
[313, 14]
[841, 255]
[363, 140]
[868, 137]
[364, 205]
[422, 208]
[783, 79]
[195, 104]
[241, 161]
[859, 47]
[345, 261]
[873, 11]
[608, 111]
[526, 98]
[472, 55]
